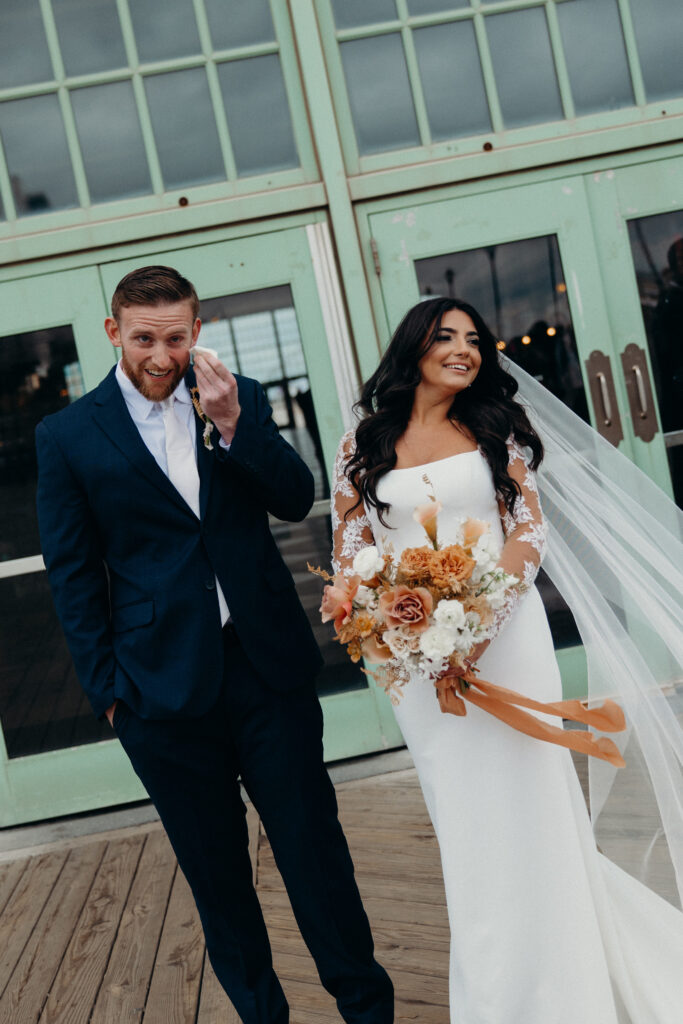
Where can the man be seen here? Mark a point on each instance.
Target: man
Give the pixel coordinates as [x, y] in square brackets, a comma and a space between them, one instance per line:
[186, 631]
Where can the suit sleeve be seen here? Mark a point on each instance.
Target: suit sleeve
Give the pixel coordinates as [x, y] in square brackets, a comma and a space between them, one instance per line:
[267, 463]
[76, 570]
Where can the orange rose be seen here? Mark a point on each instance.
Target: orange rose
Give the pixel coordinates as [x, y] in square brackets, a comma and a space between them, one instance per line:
[405, 607]
[450, 566]
[338, 600]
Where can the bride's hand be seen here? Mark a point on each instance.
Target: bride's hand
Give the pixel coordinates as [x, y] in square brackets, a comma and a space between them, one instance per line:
[471, 659]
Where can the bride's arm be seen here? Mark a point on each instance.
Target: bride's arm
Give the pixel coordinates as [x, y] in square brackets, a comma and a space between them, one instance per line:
[349, 532]
[525, 533]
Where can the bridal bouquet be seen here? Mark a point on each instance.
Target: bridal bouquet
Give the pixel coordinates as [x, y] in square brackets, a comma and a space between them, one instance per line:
[424, 611]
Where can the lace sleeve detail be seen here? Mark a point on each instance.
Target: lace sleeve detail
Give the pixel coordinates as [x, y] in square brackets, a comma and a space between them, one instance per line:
[352, 533]
[525, 532]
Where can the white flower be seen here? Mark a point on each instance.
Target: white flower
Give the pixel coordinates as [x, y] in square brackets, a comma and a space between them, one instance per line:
[368, 562]
[450, 614]
[437, 642]
[401, 643]
[364, 596]
[486, 553]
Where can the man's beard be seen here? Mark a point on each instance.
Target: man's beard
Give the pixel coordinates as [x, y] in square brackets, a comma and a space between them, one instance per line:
[142, 383]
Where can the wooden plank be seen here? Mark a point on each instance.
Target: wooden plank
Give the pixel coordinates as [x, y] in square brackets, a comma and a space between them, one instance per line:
[174, 990]
[9, 877]
[123, 992]
[80, 974]
[32, 978]
[25, 907]
[254, 829]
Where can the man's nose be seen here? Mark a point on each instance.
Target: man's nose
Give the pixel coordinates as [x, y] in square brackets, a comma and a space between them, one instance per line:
[161, 356]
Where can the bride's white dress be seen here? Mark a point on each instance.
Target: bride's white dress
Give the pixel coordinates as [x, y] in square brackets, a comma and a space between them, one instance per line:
[544, 929]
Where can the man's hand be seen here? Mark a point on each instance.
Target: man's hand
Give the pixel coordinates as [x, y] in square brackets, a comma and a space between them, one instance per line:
[110, 713]
[217, 394]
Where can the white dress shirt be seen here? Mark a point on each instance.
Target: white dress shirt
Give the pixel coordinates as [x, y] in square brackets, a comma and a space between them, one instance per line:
[148, 418]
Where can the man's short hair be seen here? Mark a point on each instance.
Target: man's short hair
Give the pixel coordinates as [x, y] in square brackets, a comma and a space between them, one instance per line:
[153, 286]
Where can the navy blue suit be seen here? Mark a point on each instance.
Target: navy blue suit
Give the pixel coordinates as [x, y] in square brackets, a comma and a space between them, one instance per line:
[133, 574]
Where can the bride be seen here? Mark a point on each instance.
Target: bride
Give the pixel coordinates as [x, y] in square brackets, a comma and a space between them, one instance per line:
[544, 928]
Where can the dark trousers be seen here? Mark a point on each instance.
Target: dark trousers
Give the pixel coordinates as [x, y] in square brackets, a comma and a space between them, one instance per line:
[273, 742]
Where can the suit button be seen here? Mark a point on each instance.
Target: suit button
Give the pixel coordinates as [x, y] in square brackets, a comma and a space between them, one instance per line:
[210, 584]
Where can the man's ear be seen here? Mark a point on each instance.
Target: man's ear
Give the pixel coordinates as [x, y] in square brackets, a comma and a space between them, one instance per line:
[196, 327]
[111, 326]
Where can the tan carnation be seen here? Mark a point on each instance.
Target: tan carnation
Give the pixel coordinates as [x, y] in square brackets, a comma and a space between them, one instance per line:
[416, 563]
[450, 567]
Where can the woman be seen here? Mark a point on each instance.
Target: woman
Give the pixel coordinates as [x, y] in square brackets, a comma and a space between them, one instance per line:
[544, 930]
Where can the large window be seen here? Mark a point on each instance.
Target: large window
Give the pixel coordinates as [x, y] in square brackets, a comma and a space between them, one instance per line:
[112, 99]
[421, 73]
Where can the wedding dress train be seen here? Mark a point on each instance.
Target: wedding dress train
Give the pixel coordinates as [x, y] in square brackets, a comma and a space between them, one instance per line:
[544, 928]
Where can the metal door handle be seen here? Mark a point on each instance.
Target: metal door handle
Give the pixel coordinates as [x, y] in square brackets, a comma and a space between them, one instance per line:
[640, 389]
[604, 395]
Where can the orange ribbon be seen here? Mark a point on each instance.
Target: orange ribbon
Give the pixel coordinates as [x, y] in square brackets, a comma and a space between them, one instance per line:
[506, 705]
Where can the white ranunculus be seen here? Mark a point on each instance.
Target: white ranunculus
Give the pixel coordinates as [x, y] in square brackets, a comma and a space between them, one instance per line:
[368, 562]
[449, 613]
[401, 643]
[437, 642]
[364, 596]
[486, 553]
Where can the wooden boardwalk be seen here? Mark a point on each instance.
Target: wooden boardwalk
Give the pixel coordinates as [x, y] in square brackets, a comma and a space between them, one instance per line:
[103, 929]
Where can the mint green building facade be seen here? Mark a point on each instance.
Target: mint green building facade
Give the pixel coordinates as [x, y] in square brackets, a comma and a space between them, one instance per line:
[315, 167]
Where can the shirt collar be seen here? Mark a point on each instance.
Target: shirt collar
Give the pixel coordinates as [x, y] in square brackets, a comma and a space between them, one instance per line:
[142, 406]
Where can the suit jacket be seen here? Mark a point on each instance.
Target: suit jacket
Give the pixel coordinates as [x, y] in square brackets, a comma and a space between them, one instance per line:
[133, 570]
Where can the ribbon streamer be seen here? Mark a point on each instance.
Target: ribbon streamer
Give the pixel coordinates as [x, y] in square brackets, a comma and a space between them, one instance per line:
[506, 705]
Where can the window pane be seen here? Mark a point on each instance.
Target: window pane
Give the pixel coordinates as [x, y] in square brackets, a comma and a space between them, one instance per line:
[37, 156]
[24, 56]
[240, 24]
[351, 13]
[42, 705]
[519, 289]
[89, 36]
[658, 26]
[379, 93]
[595, 54]
[111, 141]
[416, 7]
[184, 128]
[524, 68]
[256, 333]
[39, 374]
[452, 81]
[258, 114]
[657, 249]
[164, 31]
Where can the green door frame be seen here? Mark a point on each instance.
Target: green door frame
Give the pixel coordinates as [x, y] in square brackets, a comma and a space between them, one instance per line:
[357, 721]
[402, 233]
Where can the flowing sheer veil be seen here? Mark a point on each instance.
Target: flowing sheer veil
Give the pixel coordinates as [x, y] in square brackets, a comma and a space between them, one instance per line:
[615, 553]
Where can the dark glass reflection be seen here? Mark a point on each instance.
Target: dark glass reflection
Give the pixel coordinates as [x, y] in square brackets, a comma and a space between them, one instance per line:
[42, 704]
[657, 250]
[524, 67]
[256, 334]
[519, 289]
[39, 374]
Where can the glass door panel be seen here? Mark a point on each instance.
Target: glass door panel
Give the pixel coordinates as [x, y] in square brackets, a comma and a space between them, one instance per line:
[657, 250]
[523, 257]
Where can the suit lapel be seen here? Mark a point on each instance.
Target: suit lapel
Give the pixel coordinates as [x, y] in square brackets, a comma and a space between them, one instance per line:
[111, 415]
[205, 458]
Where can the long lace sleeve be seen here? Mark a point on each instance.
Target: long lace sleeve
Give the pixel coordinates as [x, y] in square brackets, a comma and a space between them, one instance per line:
[525, 532]
[350, 533]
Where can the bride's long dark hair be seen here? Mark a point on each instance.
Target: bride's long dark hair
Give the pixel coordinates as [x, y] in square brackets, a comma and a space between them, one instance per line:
[486, 409]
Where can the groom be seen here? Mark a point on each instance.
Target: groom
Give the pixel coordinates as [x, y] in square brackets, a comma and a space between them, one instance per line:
[186, 631]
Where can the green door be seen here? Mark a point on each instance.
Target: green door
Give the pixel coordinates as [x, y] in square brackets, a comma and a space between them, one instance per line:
[526, 257]
[269, 305]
